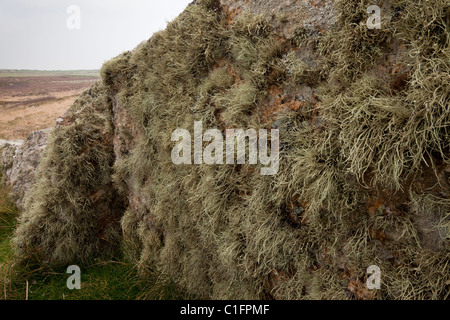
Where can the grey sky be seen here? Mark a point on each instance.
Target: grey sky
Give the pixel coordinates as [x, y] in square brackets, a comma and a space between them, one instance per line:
[34, 33]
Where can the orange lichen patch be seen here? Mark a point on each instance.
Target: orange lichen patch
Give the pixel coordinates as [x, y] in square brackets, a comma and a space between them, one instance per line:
[317, 3]
[377, 234]
[220, 63]
[275, 278]
[356, 287]
[360, 290]
[279, 103]
[388, 202]
[224, 63]
[286, 44]
[231, 14]
[373, 204]
[322, 28]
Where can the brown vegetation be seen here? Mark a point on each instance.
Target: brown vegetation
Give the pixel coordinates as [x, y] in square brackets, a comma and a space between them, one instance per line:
[29, 104]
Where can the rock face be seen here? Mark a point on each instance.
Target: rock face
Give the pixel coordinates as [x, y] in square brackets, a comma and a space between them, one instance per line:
[8, 150]
[363, 116]
[20, 161]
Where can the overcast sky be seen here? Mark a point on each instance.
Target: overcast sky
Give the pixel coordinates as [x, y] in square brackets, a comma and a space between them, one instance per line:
[44, 35]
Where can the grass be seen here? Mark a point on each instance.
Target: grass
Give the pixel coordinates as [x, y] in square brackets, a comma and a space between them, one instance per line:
[109, 280]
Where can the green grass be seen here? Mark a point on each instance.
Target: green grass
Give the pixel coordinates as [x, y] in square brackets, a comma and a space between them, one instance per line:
[109, 280]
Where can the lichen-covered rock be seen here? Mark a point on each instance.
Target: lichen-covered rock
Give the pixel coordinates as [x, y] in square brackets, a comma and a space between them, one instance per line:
[364, 120]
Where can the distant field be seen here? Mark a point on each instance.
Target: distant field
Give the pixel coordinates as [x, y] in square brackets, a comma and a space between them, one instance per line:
[33, 100]
[38, 73]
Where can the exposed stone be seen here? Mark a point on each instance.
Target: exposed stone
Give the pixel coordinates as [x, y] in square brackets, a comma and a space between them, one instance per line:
[20, 161]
